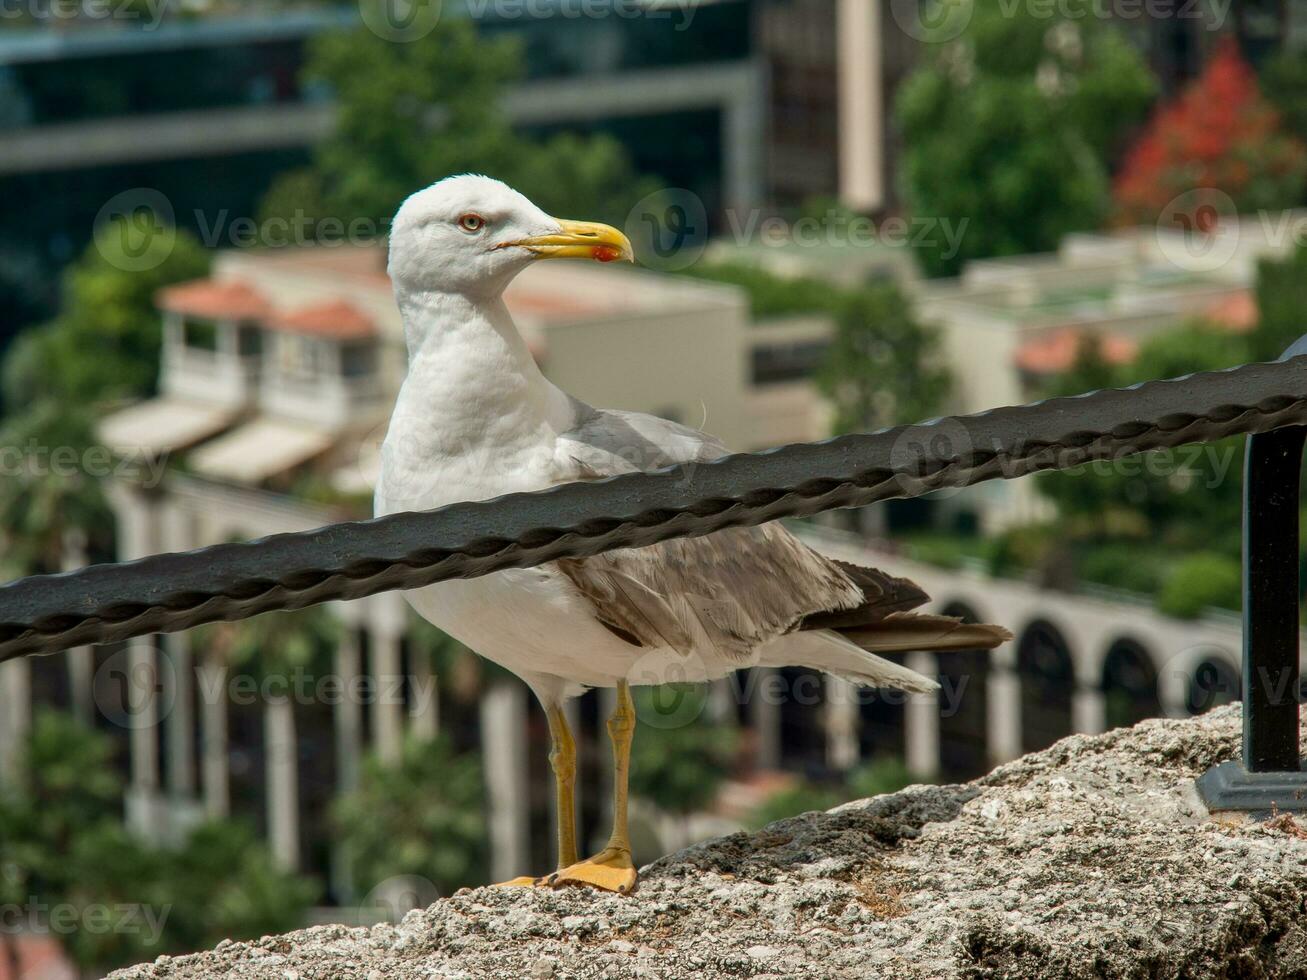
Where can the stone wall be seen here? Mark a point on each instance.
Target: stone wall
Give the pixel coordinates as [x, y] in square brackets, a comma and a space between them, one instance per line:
[1093, 859]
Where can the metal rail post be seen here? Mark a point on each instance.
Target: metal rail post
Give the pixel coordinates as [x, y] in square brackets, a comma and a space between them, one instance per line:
[1270, 776]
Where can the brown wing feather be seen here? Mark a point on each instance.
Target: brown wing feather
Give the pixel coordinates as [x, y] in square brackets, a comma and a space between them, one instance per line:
[882, 593]
[733, 589]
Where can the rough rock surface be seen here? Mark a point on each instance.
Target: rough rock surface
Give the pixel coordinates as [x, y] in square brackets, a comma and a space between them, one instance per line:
[1091, 859]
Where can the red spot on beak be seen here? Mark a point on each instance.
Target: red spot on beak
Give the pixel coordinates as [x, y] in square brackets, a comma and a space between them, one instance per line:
[606, 253]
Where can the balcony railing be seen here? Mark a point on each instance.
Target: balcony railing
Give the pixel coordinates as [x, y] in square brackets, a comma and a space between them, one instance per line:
[101, 603]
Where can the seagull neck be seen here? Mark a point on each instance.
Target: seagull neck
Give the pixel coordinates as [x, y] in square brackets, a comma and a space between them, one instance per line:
[466, 356]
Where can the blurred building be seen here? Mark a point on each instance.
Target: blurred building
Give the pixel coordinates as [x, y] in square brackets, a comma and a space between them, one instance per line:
[1011, 326]
[749, 104]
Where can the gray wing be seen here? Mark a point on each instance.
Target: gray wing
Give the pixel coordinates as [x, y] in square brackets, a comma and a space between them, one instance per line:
[733, 589]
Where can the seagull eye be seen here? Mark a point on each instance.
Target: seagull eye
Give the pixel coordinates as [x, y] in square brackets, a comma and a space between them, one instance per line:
[471, 222]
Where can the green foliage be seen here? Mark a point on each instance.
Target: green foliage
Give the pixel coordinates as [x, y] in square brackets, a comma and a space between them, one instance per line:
[277, 645]
[590, 177]
[1180, 496]
[877, 777]
[886, 774]
[63, 844]
[802, 797]
[105, 343]
[882, 367]
[410, 114]
[770, 295]
[1284, 83]
[1199, 582]
[420, 817]
[51, 493]
[678, 764]
[1012, 127]
[222, 885]
[1281, 299]
[1122, 565]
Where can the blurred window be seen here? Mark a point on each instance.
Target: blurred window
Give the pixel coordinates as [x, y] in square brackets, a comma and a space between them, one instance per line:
[778, 363]
[250, 341]
[358, 360]
[200, 334]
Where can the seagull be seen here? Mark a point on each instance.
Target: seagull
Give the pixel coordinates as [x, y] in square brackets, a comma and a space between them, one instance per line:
[476, 418]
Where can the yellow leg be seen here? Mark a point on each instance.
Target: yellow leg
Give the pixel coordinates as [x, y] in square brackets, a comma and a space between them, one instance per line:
[562, 758]
[612, 868]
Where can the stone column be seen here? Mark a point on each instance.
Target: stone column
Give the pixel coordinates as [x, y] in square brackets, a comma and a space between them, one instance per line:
[1003, 692]
[213, 738]
[387, 708]
[141, 692]
[424, 710]
[842, 719]
[861, 105]
[1088, 709]
[282, 775]
[181, 717]
[348, 710]
[15, 716]
[921, 722]
[81, 681]
[765, 717]
[503, 742]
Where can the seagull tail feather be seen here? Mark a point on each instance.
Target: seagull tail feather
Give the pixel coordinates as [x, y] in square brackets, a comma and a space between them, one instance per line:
[851, 654]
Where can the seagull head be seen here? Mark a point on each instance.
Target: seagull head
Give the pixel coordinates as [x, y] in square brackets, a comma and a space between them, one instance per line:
[472, 234]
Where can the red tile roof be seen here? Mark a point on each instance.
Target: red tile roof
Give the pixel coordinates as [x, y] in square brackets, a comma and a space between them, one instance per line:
[216, 300]
[1055, 352]
[337, 320]
[1237, 312]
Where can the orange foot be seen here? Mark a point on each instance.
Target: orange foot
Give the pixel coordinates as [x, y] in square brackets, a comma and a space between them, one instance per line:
[610, 870]
[525, 881]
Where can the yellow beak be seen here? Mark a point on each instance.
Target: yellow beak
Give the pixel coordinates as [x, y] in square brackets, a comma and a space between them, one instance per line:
[580, 240]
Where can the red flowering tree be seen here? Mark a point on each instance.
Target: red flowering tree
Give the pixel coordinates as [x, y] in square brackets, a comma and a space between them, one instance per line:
[1219, 135]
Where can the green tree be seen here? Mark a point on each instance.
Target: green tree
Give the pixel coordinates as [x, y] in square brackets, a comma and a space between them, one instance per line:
[1180, 498]
[105, 343]
[883, 367]
[51, 492]
[222, 885]
[1281, 299]
[679, 756]
[409, 114]
[424, 816]
[1012, 127]
[876, 777]
[1201, 581]
[63, 844]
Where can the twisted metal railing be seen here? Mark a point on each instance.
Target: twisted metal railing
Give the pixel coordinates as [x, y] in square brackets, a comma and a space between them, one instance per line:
[162, 593]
